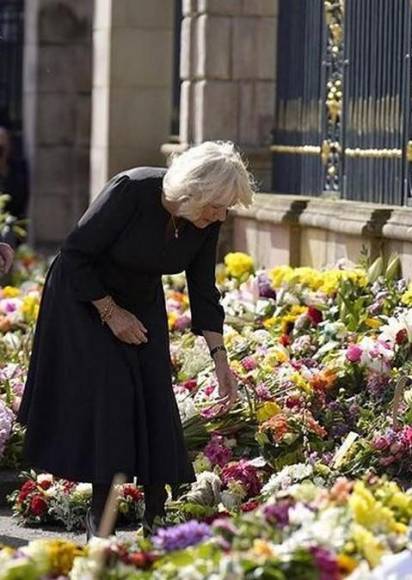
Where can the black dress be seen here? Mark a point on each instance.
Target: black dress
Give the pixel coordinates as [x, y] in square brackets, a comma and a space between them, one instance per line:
[94, 405]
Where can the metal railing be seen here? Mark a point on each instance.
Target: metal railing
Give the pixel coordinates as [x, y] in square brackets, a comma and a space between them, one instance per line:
[360, 56]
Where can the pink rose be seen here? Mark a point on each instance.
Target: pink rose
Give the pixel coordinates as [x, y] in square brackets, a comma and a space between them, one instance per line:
[380, 443]
[354, 353]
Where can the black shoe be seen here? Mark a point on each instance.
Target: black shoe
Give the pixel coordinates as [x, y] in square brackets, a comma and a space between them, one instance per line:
[91, 528]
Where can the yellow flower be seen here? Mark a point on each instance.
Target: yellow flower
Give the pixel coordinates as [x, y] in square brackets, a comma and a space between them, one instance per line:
[171, 319]
[346, 563]
[369, 546]
[11, 292]
[300, 382]
[221, 273]
[238, 264]
[270, 322]
[62, 554]
[278, 275]
[406, 298]
[373, 323]
[275, 356]
[267, 410]
[296, 310]
[30, 308]
[371, 513]
[262, 548]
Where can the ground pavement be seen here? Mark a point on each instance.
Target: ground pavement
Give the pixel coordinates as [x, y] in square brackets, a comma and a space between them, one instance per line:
[14, 535]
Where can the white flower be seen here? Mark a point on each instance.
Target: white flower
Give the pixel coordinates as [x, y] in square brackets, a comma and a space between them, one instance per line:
[376, 355]
[44, 477]
[261, 336]
[186, 406]
[230, 500]
[286, 477]
[83, 489]
[300, 515]
[396, 324]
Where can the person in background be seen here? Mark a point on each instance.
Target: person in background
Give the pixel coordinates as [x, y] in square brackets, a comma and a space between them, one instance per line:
[13, 182]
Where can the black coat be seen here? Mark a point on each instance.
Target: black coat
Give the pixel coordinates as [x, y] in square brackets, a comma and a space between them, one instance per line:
[94, 405]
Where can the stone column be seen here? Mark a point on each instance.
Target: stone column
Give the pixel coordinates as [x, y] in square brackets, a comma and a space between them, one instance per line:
[228, 69]
[57, 93]
[132, 85]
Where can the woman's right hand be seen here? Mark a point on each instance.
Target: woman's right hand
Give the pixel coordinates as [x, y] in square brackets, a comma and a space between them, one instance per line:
[126, 327]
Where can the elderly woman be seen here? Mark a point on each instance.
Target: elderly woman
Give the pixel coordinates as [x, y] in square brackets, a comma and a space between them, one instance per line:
[99, 398]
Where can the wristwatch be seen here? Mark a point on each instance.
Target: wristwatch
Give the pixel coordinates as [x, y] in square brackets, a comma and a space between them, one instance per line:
[216, 349]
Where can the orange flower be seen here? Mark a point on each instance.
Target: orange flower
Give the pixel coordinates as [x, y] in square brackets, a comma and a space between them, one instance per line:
[314, 426]
[324, 379]
[277, 425]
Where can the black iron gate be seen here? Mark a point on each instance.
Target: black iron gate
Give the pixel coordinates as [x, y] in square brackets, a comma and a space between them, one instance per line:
[11, 62]
[347, 64]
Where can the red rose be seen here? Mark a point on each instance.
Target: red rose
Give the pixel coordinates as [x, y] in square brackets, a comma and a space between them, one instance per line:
[284, 340]
[249, 506]
[45, 483]
[38, 505]
[315, 315]
[130, 490]
[27, 488]
[190, 385]
[139, 559]
[401, 336]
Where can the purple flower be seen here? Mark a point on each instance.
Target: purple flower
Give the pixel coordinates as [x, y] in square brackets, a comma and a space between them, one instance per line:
[182, 322]
[339, 429]
[217, 452]
[6, 423]
[9, 306]
[181, 536]
[278, 513]
[326, 562]
[265, 288]
[377, 385]
[263, 392]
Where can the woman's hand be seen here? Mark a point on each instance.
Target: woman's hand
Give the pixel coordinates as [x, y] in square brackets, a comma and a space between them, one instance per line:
[6, 257]
[126, 327]
[228, 387]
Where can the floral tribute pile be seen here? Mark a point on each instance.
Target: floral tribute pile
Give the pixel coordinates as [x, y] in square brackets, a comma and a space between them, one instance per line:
[307, 476]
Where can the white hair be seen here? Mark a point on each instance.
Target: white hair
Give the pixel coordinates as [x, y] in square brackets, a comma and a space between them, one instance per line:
[213, 172]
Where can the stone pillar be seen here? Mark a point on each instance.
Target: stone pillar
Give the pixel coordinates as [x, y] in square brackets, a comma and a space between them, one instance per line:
[132, 85]
[57, 94]
[228, 69]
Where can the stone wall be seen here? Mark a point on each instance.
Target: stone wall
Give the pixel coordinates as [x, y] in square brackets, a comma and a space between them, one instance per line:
[57, 110]
[306, 231]
[228, 70]
[132, 85]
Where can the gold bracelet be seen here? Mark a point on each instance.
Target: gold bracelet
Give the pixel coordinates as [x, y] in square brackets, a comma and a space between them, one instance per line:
[107, 312]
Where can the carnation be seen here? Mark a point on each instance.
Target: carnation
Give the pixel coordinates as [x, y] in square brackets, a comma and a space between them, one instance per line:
[217, 452]
[244, 473]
